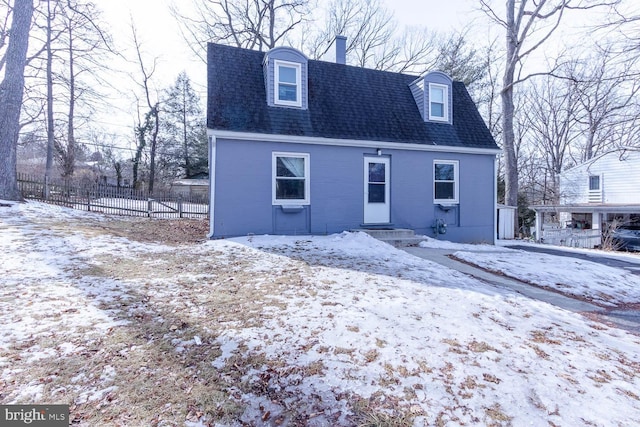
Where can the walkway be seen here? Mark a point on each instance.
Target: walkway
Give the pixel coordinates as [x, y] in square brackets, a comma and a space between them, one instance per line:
[628, 320]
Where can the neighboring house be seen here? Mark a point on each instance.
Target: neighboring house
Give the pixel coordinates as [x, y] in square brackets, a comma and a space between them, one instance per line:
[299, 146]
[592, 196]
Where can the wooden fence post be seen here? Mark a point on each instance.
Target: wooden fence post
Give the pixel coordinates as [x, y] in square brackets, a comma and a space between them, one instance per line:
[149, 207]
[180, 205]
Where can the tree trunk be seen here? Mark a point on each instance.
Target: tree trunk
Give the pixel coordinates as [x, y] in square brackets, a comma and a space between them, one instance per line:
[154, 142]
[70, 158]
[511, 159]
[11, 93]
[50, 134]
[591, 137]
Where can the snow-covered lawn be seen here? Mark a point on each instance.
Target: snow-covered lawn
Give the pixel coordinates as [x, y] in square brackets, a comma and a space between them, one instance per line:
[339, 330]
[606, 286]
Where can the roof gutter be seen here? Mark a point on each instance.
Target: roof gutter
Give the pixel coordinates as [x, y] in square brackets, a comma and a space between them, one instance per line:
[294, 139]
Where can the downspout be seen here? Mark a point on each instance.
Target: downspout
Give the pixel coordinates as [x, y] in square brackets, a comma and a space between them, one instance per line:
[212, 180]
[495, 200]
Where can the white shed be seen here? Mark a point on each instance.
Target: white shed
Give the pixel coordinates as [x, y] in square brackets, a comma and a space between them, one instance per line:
[506, 221]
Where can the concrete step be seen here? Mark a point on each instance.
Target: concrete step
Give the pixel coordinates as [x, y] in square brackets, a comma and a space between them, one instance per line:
[403, 242]
[398, 237]
[391, 233]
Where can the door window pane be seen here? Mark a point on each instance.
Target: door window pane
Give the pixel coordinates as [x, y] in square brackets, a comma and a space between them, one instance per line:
[377, 193]
[376, 172]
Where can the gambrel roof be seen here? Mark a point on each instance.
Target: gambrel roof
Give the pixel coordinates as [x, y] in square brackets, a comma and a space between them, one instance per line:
[344, 102]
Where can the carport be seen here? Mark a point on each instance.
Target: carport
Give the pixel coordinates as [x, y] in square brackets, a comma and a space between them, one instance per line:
[578, 225]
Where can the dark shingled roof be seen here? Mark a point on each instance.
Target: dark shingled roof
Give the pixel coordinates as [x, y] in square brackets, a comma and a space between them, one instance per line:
[345, 102]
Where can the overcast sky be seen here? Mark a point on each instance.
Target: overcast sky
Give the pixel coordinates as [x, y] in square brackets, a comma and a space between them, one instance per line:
[160, 38]
[160, 34]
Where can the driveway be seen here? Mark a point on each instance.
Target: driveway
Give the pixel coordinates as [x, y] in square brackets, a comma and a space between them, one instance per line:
[632, 267]
[623, 319]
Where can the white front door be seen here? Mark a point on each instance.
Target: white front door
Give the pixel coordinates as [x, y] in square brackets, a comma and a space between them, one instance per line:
[376, 190]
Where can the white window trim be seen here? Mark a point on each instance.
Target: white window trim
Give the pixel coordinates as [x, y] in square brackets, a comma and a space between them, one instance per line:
[594, 196]
[276, 83]
[307, 186]
[456, 183]
[445, 107]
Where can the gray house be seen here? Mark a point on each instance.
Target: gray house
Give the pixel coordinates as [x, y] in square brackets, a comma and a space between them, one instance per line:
[299, 146]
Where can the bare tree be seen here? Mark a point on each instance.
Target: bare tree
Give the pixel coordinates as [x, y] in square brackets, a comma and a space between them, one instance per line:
[528, 24]
[147, 129]
[84, 44]
[49, 76]
[487, 92]
[5, 23]
[373, 39]
[11, 92]
[252, 24]
[551, 112]
[606, 89]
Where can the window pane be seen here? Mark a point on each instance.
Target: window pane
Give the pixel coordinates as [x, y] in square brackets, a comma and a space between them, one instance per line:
[377, 193]
[376, 172]
[437, 95]
[287, 74]
[287, 93]
[437, 110]
[444, 191]
[444, 172]
[290, 189]
[292, 167]
[594, 183]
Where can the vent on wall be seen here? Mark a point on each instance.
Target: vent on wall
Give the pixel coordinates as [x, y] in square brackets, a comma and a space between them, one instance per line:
[595, 196]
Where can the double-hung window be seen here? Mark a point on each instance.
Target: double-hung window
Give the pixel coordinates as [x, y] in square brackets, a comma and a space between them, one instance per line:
[595, 189]
[287, 85]
[438, 102]
[290, 179]
[445, 181]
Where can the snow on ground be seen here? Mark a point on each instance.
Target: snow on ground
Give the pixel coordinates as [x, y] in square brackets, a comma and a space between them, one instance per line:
[606, 286]
[356, 328]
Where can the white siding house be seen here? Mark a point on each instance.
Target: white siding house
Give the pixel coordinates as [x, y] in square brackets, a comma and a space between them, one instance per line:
[592, 195]
[612, 179]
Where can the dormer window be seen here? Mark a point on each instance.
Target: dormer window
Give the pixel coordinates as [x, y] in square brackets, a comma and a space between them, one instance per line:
[433, 93]
[287, 85]
[286, 78]
[438, 102]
